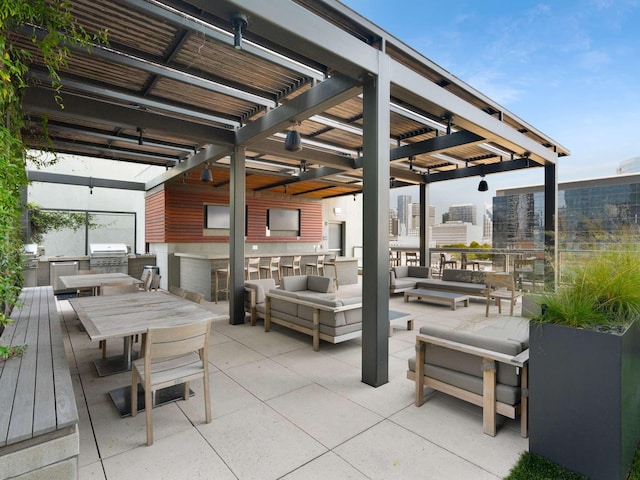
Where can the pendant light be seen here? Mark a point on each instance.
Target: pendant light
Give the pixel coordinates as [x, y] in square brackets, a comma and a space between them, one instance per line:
[205, 174]
[293, 142]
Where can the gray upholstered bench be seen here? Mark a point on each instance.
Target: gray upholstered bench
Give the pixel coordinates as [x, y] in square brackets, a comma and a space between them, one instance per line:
[39, 423]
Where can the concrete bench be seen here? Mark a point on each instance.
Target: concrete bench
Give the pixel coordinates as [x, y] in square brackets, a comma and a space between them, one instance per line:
[39, 421]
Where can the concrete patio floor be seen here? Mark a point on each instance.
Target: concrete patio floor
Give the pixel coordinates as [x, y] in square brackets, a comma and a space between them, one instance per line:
[283, 411]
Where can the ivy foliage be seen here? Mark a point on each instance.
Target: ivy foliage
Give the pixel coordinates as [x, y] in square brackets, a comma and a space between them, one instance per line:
[30, 31]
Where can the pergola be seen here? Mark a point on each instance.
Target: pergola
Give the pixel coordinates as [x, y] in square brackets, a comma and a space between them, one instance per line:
[187, 83]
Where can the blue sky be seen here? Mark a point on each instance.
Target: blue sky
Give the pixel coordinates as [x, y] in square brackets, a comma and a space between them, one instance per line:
[570, 68]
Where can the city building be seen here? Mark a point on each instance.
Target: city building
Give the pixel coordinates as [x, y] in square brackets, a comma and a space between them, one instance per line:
[591, 213]
[454, 233]
[404, 214]
[462, 213]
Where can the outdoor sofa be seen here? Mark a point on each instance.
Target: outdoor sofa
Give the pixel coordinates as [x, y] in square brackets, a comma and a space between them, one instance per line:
[467, 282]
[307, 304]
[486, 367]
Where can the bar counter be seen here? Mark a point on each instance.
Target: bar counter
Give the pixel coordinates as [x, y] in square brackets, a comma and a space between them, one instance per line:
[197, 269]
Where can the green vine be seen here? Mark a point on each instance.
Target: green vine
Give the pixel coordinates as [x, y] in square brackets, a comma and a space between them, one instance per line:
[30, 31]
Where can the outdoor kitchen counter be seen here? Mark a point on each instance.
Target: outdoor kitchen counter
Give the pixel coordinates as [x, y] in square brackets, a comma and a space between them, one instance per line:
[196, 269]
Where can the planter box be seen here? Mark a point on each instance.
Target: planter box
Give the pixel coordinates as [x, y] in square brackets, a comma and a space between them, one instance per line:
[584, 398]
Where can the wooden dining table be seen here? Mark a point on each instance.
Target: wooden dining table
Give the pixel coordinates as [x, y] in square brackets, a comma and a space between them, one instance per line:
[127, 315]
[95, 280]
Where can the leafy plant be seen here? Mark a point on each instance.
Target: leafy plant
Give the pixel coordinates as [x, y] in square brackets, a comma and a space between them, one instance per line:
[49, 27]
[600, 291]
[43, 221]
[11, 351]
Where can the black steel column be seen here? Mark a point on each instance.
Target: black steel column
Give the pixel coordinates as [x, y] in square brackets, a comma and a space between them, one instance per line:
[237, 202]
[375, 252]
[550, 226]
[424, 226]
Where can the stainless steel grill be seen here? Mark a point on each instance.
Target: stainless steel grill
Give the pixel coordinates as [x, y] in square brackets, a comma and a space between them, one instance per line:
[30, 264]
[108, 258]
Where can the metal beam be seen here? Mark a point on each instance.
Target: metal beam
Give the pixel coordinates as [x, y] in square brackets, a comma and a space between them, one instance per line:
[210, 153]
[435, 144]
[416, 90]
[269, 146]
[477, 170]
[146, 63]
[237, 205]
[122, 95]
[319, 98]
[48, 177]
[297, 28]
[41, 101]
[115, 153]
[193, 24]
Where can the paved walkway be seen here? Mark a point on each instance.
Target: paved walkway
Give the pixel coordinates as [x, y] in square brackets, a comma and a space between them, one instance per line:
[283, 411]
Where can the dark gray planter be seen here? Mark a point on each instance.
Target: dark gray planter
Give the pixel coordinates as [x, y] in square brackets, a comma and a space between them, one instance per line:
[584, 398]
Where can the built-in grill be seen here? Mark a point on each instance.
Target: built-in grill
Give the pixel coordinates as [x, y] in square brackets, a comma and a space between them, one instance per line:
[108, 258]
[30, 264]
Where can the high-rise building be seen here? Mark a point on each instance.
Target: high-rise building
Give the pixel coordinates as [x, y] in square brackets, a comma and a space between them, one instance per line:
[590, 213]
[463, 213]
[404, 214]
[631, 165]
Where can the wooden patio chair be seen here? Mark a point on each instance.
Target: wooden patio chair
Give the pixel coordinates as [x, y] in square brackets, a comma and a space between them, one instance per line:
[272, 267]
[446, 260]
[296, 264]
[194, 297]
[224, 272]
[501, 286]
[172, 356]
[315, 267]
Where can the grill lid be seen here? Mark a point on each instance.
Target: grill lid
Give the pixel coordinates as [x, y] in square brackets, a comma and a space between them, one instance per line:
[107, 249]
[30, 249]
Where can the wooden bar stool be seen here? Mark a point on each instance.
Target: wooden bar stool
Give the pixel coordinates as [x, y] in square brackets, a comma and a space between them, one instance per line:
[319, 265]
[273, 266]
[296, 264]
[253, 266]
[332, 263]
[218, 290]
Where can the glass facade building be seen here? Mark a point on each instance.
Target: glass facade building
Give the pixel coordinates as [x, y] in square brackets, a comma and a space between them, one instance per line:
[591, 214]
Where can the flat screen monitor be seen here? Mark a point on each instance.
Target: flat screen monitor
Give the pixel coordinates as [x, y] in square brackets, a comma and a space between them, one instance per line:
[217, 216]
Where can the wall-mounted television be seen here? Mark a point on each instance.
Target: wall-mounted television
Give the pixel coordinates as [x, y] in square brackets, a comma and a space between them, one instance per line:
[284, 221]
[217, 216]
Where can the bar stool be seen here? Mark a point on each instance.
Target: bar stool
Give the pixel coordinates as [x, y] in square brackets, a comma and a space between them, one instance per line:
[253, 266]
[319, 265]
[273, 266]
[293, 266]
[332, 263]
[218, 290]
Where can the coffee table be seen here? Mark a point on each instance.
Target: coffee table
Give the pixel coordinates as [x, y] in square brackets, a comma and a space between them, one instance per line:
[436, 296]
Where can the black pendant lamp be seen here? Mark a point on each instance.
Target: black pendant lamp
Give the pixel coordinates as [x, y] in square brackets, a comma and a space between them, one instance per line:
[293, 142]
[483, 186]
[205, 174]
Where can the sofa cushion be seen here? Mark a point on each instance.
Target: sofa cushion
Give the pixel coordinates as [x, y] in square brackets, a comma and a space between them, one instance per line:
[261, 287]
[458, 275]
[418, 271]
[319, 284]
[294, 283]
[497, 341]
[401, 271]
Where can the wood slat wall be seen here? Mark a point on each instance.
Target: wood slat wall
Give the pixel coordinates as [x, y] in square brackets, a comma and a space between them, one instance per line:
[176, 214]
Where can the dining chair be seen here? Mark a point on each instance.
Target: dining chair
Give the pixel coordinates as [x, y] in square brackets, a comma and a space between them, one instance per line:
[465, 262]
[217, 289]
[524, 270]
[500, 286]
[108, 289]
[447, 260]
[411, 258]
[194, 297]
[253, 266]
[394, 259]
[270, 268]
[146, 279]
[319, 265]
[172, 356]
[296, 264]
[177, 291]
